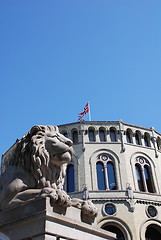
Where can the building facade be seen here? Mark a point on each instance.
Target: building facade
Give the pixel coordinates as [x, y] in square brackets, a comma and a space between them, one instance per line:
[118, 167]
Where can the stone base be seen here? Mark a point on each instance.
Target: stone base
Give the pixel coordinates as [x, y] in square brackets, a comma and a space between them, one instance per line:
[37, 220]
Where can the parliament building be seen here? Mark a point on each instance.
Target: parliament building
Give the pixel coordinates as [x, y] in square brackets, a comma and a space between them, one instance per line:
[118, 167]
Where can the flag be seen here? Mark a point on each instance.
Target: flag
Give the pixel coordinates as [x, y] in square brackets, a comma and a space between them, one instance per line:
[85, 111]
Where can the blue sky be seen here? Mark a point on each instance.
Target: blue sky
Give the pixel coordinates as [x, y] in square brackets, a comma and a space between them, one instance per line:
[55, 55]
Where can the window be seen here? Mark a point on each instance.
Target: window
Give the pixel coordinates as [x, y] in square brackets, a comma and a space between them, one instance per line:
[102, 135]
[151, 211]
[106, 179]
[139, 177]
[159, 143]
[153, 232]
[109, 209]
[75, 136]
[147, 140]
[138, 138]
[100, 176]
[144, 175]
[70, 178]
[111, 176]
[147, 174]
[128, 136]
[113, 135]
[91, 135]
[112, 228]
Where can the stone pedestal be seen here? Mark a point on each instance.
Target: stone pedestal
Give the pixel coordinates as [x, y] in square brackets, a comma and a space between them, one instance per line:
[37, 220]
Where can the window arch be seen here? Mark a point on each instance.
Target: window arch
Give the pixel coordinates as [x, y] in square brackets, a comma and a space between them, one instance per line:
[102, 135]
[116, 226]
[144, 175]
[70, 181]
[91, 135]
[106, 178]
[113, 135]
[75, 136]
[114, 229]
[147, 139]
[129, 136]
[138, 138]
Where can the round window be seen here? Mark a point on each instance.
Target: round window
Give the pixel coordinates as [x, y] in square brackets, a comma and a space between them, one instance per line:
[109, 209]
[152, 211]
[141, 160]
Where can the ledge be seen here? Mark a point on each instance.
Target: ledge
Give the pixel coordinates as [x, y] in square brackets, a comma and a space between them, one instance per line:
[37, 220]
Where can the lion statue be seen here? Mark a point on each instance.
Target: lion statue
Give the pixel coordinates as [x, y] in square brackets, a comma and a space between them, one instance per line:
[36, 168]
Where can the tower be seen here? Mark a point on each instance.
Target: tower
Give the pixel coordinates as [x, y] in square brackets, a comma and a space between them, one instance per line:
[118, 167]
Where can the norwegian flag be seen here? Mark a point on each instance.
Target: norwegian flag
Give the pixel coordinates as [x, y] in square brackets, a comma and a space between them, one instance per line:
[85, 111]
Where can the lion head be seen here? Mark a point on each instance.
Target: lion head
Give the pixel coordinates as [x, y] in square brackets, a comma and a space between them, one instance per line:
[44, 152]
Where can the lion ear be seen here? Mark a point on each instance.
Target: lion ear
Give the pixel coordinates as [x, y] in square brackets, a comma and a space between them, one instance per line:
[35, 129]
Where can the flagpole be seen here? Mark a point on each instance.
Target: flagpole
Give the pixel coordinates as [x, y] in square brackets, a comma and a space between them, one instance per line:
[89, 111]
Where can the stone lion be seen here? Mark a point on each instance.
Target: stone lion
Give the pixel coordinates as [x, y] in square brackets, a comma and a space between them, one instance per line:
[36, 168]
[38, 162]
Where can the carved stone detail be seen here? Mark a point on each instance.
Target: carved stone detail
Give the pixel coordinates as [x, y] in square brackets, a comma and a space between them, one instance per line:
[37, 169]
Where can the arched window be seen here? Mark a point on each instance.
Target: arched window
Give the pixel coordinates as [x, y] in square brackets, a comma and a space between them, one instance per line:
[128, 136]
[113, 135]
[139, 177]
[102, 135]
[75, 136]
[114, 229]
[153, 232]
[70, 178]
[138, 138]
[111, 176]
[147, 140]
[144, 175]
[105, 172]
[100, 176]
[159, 143]
[91, 135]
[147, 173]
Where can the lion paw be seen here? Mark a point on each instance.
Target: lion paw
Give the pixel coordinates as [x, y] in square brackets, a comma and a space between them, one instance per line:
[88, 208]
[49, 192]
[77, 203]
[63, 198]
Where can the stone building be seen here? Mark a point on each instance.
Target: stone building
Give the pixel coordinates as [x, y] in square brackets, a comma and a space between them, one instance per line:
[118, 167]
[33, 205]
